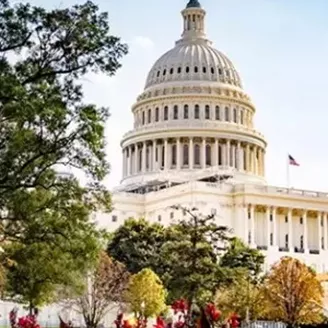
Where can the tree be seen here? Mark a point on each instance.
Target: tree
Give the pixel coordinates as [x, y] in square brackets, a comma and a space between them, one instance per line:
[138, 244]
[293, 292]
[104, 290]
[45, 125]
[146, 294]
[192, 258]
[47, 128]
[242, 297]
[239, 256]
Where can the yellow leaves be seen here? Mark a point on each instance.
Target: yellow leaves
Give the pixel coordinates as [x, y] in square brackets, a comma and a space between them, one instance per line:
[146, 294]
[293, 293]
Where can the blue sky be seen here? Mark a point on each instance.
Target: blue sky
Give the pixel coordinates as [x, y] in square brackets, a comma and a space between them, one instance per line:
[280, 49]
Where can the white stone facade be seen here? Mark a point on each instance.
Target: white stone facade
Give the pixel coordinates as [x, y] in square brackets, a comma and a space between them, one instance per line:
[194, 144]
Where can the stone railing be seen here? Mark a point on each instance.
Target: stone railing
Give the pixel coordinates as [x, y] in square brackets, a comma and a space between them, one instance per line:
[280, 190]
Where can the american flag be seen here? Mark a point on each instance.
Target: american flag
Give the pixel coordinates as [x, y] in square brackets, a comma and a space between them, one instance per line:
[292, 161]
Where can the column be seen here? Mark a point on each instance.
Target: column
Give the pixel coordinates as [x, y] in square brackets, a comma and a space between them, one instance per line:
[290, 230]
[216, 152]
[144, 150]
[263, 162]
[252, 210]
[228, 153]
[136, 156]
[268, 224]
[319, 217]
[204, 153]
[191, 153]
[247, 158]
[166, 153]
[238, 156]
[274, 226]
[178, 154]
[246, 224]
[325, 231]
[130, 160]
[306, 246]
[154, 166]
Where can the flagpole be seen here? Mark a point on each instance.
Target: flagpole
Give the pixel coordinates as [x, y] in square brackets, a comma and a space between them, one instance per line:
[288, 173]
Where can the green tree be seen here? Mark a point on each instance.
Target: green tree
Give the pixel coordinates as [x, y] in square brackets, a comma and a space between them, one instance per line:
[146, 294]
[241, 256]
[46, 128]
[243, 297]
[138, 244]
[192, 258]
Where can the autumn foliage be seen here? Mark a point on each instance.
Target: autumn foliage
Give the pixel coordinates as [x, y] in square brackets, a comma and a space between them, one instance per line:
[293, 293]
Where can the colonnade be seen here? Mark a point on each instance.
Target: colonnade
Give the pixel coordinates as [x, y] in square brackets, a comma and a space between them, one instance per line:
[281, 229]
[192, 153]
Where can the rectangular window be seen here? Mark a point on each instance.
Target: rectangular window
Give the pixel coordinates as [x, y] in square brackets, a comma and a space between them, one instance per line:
[175, 113]
[143, 117]
[172, 215]
[271, 239]
[301, 220]
[271, 217]
[286, 218]
[159, 218]
[114, 218]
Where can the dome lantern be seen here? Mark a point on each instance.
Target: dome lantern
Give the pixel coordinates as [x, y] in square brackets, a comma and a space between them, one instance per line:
[193, 21]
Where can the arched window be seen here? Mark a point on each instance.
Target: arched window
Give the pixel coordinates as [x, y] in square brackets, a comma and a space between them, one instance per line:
[175, 112]
[185, 155]
[204, 69]
[174, 155]
[196, 113]
[241, 116]
[196, 69]
[212, 70]
[185, 112]
[157, 114]
[187, 69]
[166, 113]
[227, 116]
[220, 159]
[179, 69]
[207, 112]
[149, 115]
[164, 72]
[158, 73]
[143, 117]
[196, 155]
[220, 71]
[302, 242]
[235, 115]
[171, 71]
[245, 159]
[208, 155]
[217, 113]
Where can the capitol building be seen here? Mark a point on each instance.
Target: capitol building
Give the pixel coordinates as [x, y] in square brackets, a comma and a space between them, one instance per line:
[194, 144]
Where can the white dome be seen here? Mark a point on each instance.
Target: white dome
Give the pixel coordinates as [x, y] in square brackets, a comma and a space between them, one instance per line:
[193, 61]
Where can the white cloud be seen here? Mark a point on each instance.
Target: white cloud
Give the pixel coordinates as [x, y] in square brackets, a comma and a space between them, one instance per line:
[143, 42]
